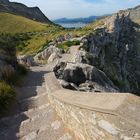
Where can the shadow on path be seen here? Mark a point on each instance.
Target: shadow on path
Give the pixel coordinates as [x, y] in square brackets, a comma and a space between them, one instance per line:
[32, 86]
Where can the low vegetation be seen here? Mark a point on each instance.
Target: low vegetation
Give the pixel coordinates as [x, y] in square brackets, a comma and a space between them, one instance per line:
[30, 36]
[11, 72]
[7, 97]
[17, 24]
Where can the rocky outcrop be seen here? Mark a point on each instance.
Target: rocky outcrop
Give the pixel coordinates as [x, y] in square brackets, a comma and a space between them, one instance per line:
[134, 13]
[83, 77]
[33, 13]
[51, 53]
[54, 56]
[115, 50]
[26, 60]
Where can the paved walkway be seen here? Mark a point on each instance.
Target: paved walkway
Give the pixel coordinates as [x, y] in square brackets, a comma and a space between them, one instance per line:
[33, 117]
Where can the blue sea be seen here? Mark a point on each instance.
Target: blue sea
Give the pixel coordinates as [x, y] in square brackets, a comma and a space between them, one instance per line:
[73, 25]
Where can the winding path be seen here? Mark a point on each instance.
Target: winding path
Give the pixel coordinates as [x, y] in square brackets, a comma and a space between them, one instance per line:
[33, 117]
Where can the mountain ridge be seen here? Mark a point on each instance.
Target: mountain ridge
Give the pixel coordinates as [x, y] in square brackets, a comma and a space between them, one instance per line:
[33, 13]
[85, 20]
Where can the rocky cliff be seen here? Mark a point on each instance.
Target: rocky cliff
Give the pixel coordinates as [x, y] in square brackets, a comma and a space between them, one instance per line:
[134, 13]
[115, 50]
[33, 13]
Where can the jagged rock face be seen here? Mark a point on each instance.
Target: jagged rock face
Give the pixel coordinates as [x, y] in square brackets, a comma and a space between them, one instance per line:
[134, 13]
[33, 13]
[53, 57]
[83, 77]
[51, 54]
[26, 60]
[115, 50]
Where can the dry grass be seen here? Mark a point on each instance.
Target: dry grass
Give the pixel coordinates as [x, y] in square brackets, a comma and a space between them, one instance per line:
[10, 23]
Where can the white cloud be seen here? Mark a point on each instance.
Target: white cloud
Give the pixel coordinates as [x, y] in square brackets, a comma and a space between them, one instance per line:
[79, 8]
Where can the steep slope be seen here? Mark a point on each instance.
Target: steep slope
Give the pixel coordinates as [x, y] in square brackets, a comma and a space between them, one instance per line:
[33, 13]
[16, 24]
[20, 27]
[115, 50]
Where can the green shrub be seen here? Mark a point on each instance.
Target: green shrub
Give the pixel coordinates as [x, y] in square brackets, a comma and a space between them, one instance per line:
[7, 97]
[8, 74]
[13, 76]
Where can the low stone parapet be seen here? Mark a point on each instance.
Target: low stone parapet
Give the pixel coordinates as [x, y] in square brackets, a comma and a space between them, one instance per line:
[96, 116]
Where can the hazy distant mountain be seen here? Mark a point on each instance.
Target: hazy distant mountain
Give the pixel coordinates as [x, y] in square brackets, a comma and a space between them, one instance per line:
[76, 20]
[33, 13]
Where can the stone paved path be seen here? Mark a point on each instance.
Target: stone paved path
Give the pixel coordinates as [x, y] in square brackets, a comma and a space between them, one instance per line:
[70, 57]
[33, 117]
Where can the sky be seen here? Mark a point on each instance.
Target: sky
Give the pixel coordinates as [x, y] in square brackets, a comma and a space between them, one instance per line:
[55, 9]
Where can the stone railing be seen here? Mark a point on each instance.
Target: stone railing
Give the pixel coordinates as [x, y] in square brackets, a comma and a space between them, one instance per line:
[96, 116]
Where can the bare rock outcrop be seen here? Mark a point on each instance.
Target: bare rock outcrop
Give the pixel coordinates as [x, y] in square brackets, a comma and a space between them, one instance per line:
[84, 77]
[115, 50]
[51, 53]
[26, 60]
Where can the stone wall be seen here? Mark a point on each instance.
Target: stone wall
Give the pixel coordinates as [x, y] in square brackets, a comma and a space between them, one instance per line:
[97, 116]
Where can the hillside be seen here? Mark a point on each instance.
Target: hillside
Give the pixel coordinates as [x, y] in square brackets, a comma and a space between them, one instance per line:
[16, 24]
[33, 13]
[20, 27]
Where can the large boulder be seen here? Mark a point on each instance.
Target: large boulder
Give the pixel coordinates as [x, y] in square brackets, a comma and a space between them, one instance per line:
[47, 53]
[81, 74]
[74, 74]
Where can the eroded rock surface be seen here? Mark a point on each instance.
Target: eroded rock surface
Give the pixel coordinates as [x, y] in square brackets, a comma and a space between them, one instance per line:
[50, 54]
[115, 51]
[26, 60]
[83, 77]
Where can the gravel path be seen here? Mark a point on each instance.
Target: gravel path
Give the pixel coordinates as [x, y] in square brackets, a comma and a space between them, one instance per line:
[33, 117]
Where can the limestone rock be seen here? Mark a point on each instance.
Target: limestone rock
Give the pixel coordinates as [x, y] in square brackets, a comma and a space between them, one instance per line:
[84, 76]
[67, 85]
[108, 127]
[80, 57]
[54, 56]
[26, 60]
[115, 50]
[48, 52]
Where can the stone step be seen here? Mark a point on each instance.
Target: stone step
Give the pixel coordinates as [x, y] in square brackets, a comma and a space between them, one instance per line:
[37, 122]
[11, 125]
[30, 91]
[56, 133]
[28, 126]
[46, 133]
